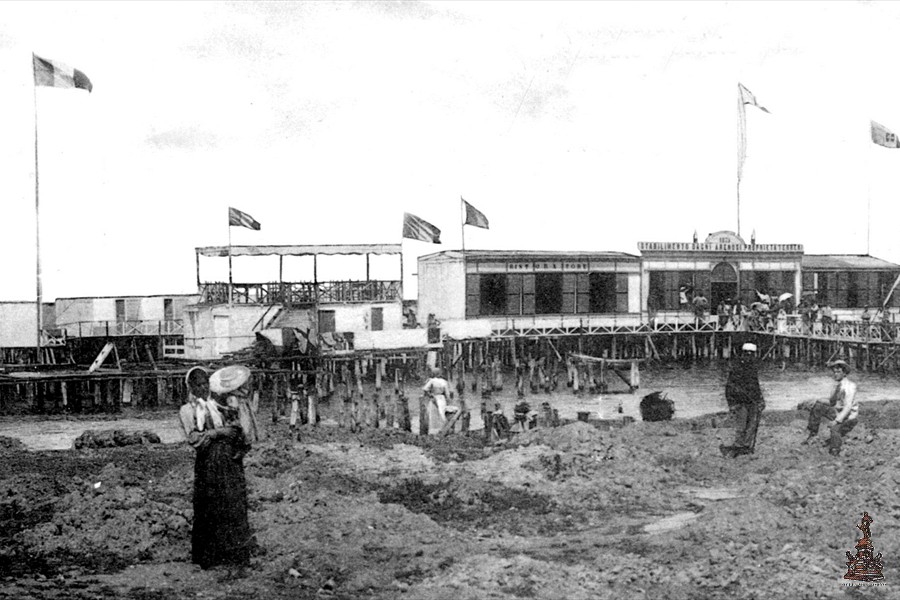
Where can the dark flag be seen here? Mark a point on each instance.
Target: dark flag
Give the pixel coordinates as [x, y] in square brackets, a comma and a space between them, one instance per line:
[416, 228]
[474, 216]
[237, 218]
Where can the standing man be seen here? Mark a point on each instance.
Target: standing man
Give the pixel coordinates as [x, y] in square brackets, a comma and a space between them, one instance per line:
[745, 401]
[842, 408]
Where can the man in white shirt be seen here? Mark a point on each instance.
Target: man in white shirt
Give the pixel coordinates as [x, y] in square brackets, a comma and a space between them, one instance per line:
[842, 408]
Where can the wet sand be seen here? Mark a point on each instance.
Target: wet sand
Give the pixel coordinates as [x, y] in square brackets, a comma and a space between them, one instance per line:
[696, 392]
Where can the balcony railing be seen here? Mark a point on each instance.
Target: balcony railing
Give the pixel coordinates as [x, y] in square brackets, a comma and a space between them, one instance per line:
[294, 294]
[122, 328]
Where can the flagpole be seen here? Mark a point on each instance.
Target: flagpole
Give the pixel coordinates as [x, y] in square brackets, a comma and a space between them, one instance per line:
[229, 260]
[462, 228]
[742, 150]
[37, 233]
[869, 200]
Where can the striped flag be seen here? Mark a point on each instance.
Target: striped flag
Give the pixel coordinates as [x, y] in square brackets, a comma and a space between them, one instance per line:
[883, 136]
[55, 74]
[416, 228]
[237, 218]
[474, 216]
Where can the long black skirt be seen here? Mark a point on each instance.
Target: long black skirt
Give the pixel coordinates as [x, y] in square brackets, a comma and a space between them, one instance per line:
[221, 532]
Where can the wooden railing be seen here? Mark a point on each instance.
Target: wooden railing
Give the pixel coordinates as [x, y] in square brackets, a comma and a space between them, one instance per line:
[123, 328]
[302, 293]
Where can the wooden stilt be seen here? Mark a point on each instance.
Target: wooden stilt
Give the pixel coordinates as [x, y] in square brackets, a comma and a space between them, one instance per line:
[423, 415]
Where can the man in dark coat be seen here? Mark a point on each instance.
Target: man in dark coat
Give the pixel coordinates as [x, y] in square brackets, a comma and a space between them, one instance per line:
[745, 401]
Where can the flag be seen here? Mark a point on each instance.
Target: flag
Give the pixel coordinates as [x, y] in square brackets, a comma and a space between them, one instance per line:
[416, 228]
[883, 136]
[55, 74]
[237, 218]
[747, 97]
[474, 216]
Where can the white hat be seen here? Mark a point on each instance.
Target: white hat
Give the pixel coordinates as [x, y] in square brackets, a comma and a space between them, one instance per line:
[228, 379]
[749, 347]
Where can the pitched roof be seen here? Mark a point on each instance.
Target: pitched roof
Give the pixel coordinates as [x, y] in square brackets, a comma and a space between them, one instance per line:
[846, 262]
[534, 255]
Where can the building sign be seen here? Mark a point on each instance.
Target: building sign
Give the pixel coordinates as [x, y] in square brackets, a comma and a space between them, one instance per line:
[575, 266]
[725, 238]
[547, 265]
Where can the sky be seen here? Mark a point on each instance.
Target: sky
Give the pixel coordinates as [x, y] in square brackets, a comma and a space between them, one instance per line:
[570, 125]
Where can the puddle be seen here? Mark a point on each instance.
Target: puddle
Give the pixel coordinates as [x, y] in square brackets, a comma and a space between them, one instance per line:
[671, 523]
[714, 493]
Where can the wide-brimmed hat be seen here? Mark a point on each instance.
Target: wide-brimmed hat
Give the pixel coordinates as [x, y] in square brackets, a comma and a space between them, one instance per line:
[749, 347]
[228, 379]
[194, 372]
[840, 364]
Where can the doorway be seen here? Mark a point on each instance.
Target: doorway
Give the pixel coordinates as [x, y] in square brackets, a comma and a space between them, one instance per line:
[723, 285]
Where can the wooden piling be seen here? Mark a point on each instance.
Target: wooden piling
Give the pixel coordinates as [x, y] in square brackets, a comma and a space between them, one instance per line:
[423, 415]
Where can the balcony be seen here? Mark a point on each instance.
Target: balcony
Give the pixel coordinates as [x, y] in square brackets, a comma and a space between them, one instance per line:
[302, 293]
[122, 328]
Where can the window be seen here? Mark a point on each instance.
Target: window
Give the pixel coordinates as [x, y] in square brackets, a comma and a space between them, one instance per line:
[473, 295]
[548, 296]
[120, 311]
[773, 283]
[493, 294]
[602, 292]
[168, 310]
[326, 321]
[656, 299]
[665, 287]
[377, 320]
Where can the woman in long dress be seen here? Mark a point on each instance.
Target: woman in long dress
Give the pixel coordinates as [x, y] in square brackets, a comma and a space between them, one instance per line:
[221, 531]
[439, 390]
[232, 386]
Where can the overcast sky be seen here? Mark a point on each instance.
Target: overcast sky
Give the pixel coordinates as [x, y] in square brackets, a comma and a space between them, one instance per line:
[572, 126]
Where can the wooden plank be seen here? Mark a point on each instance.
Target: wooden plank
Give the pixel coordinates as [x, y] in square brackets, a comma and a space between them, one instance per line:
[101, 357]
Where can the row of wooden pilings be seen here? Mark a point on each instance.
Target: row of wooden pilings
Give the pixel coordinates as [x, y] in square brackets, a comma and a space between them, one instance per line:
[532, 364]
[481, 356]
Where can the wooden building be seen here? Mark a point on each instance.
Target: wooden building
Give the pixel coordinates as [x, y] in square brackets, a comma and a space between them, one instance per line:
[118, 316]
[725, 268]
[324, 312]
[18, 331]
[498, 293]
[529, 292]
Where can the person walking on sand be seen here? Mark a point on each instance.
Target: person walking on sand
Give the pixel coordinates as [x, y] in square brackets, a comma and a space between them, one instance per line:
[745, 401]
[842, 408]
[438, 390]
[220, 534]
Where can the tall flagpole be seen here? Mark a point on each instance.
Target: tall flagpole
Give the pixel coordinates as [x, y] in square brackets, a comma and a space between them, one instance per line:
[229, 258]
[462, 228]
[869, 200]
[37, 232]
[742, 151]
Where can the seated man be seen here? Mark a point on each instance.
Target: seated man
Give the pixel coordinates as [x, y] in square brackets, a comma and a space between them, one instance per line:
[842, 408]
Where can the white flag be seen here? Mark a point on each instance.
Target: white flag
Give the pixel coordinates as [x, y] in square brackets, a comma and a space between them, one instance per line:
[747, 97]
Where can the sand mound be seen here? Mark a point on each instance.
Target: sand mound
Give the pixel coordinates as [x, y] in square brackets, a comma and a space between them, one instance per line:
[111, 438]
[565, 438]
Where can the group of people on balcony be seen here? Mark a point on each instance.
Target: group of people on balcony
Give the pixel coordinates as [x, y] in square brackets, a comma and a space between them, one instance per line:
[769, 313]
